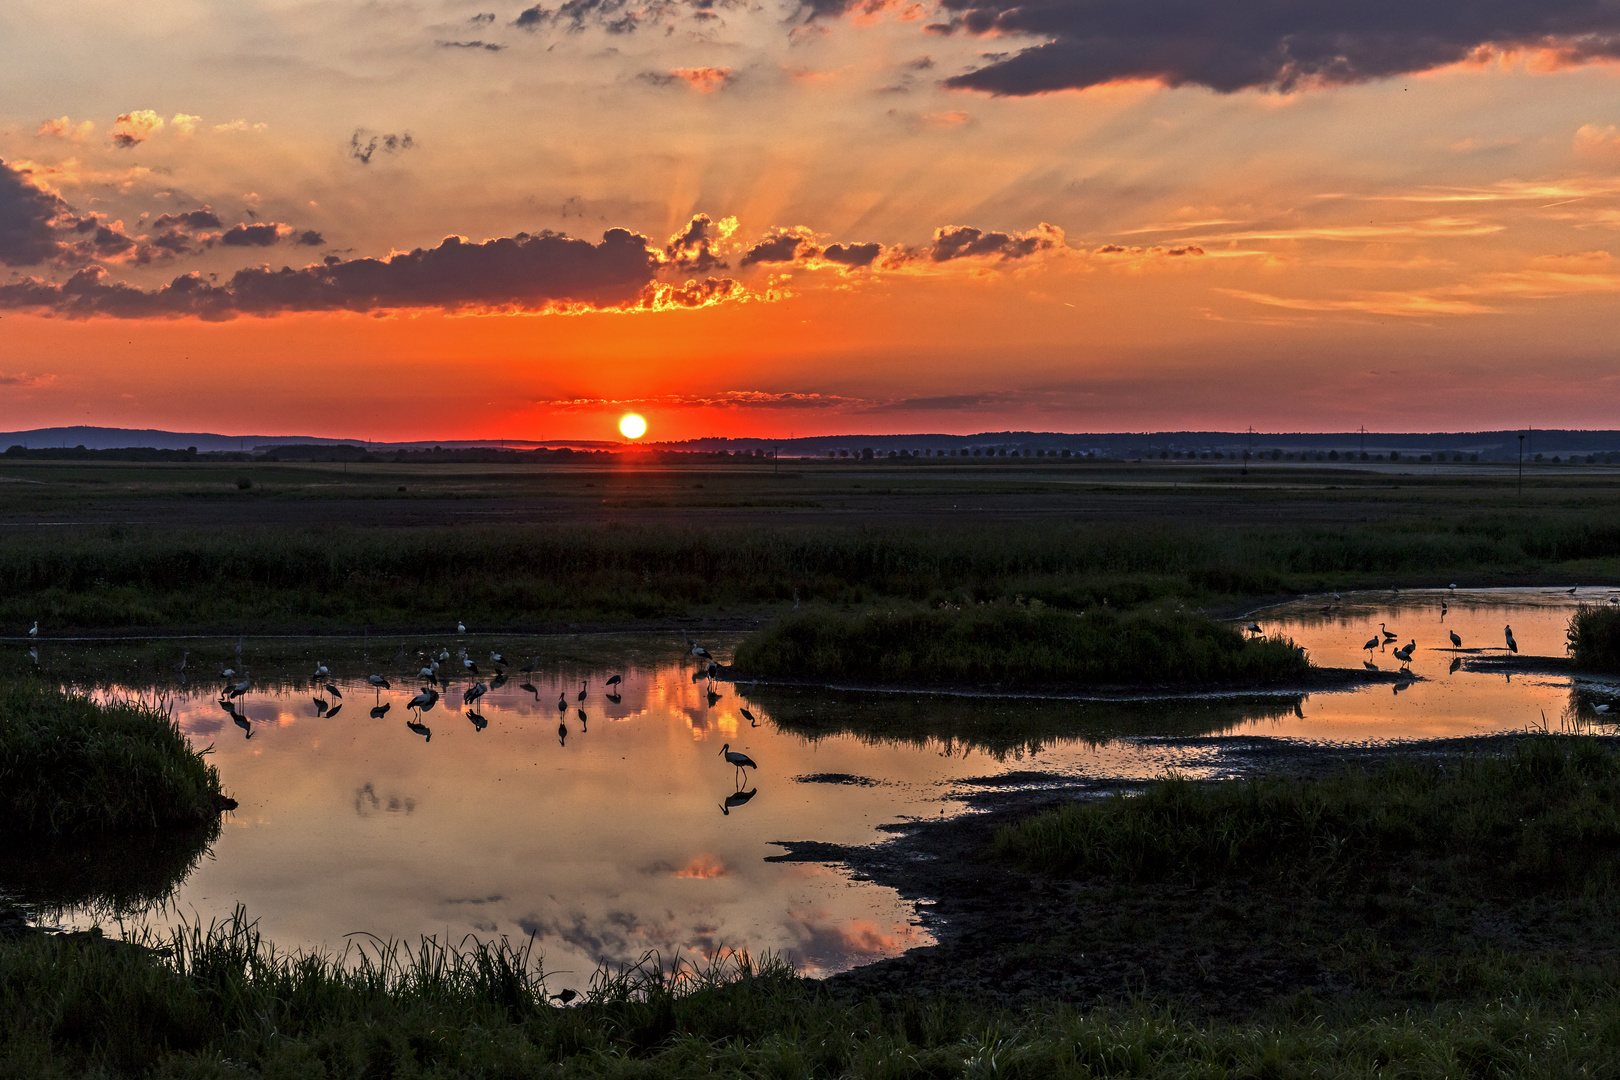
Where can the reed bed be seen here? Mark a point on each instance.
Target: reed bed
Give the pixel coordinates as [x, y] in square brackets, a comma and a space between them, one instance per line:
[70, 766]
[1594, 638]
[309, 578]
[1024, 643]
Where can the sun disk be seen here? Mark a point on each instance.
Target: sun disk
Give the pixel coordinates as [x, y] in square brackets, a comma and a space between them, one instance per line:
[632, 426]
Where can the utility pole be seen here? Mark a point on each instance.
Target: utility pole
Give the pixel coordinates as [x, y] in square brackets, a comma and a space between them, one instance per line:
[776, 460]
[1363, 440]
[1521, 464]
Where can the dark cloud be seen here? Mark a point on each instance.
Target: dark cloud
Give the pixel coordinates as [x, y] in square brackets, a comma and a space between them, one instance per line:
[526, 272]
[780, 248]
[487, 46]
[191, 220]
[532, 18]
[252, 235]
[693, 248]
[363, 144]
[483, 18]
[852, 255]
[309, 238]
[27, 220]
[964, 241]
[1274, 44]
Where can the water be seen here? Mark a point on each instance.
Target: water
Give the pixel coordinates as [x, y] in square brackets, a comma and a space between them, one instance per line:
[626, 831]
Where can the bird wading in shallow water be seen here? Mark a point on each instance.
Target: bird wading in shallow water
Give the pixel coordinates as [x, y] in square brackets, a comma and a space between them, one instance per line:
[739, 760]
[1511, 644]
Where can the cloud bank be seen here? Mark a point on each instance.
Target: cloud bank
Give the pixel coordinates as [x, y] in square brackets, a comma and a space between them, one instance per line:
[1265, 44]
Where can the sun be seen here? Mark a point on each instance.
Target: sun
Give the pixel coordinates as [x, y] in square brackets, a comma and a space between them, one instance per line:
[632, 426]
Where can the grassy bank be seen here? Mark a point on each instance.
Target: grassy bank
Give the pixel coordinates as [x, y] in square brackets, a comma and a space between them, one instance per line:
[224, 1003]
[72, 767]
[300, 578]
[1027, 644]
[1547, 817]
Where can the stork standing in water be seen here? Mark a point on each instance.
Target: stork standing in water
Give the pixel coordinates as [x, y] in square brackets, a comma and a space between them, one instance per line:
[1254, 628]
[1387, 635]
[562, 701]
[321, 670]
[612, 685]
[379, 684]
[1511, 644]
[1372, 643]
[1456, 642]
[739, 760]
[33, 631]
[583, 684]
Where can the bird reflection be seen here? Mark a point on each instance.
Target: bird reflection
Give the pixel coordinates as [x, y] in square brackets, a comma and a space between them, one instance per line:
[420, 729]
[333, 711]
[582, 719]
[748, 716]
[737, 798]
[478, 721]
[530, 688]
[1456, 662]
[1298, 711]
[1398, 687]
[713, 697]
[562, 734]
[381, 711]
[498, 681]
[320, 706]
[244, 723]
[1369, 665]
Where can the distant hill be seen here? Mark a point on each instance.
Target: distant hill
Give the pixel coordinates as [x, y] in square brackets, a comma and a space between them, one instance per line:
[1489, 445]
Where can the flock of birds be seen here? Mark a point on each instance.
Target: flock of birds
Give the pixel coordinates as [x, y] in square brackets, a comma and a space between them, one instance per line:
[437, 673]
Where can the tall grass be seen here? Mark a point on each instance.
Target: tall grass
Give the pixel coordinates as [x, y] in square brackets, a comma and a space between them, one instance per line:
[1021, 643]
[72, 766]
[221, 1001]
[1549, 814]
[304, 577]
[1594, 638]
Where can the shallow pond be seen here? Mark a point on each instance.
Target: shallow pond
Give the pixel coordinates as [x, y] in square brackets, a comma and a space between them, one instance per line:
[613, 826]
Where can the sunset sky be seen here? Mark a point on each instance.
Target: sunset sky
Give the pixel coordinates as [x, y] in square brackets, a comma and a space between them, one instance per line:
[449, 220]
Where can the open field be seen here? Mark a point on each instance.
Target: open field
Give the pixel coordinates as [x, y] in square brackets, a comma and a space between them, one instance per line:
[125, 547]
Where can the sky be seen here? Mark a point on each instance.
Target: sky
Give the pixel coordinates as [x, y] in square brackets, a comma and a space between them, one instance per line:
[404, 220]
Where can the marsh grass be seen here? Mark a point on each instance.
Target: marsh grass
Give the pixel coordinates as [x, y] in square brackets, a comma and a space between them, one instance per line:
[220, 1001]
[1545, 817]
[1024, 643]
[1594, 638]
[303, 578]
[70, 766]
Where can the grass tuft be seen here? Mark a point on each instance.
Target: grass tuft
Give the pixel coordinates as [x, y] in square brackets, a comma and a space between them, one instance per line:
[1594, 638]
[1022, 643]
[70, 766]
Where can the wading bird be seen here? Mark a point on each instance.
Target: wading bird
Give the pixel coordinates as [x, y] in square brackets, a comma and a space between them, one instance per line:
[697, 650]
[498, 658]
[180, 668]
[1387, 635]
[1511, 644]
[321, 671]
[242, 687]
[1456, 642]
[612, 681]
[581, 695]
[1372, 643]
[562, 701]
[461, 627]
[378, 683]
[738, 760]
[528, 669]
[1572, 591]
[424, 699]
[467, 663]
[33, 631]
[1404, 653]
[1254, 628]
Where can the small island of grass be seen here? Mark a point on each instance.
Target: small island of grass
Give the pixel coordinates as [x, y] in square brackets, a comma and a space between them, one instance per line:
[1026, 644]
[72, 767]
[1594, 638]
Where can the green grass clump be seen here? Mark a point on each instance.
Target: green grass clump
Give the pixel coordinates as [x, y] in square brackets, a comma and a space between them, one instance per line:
[1022, 643]
[1549, 814]
[71, 766]
[1594, 637]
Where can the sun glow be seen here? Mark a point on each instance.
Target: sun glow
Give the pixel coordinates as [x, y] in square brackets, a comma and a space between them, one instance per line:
[632, 426]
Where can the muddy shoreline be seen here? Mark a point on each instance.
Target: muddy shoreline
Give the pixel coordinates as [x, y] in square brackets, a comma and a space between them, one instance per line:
[1010, 937]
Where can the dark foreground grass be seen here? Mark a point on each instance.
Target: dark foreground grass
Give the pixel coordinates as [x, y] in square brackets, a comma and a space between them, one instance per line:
[1028, 644]
[1594, 638]
[72, 767]
[222, 1002]
[1545, 818]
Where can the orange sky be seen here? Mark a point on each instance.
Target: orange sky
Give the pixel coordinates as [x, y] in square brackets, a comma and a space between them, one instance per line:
[1317, 248]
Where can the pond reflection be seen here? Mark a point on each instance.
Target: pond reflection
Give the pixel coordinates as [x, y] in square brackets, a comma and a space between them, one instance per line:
[405, 787]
